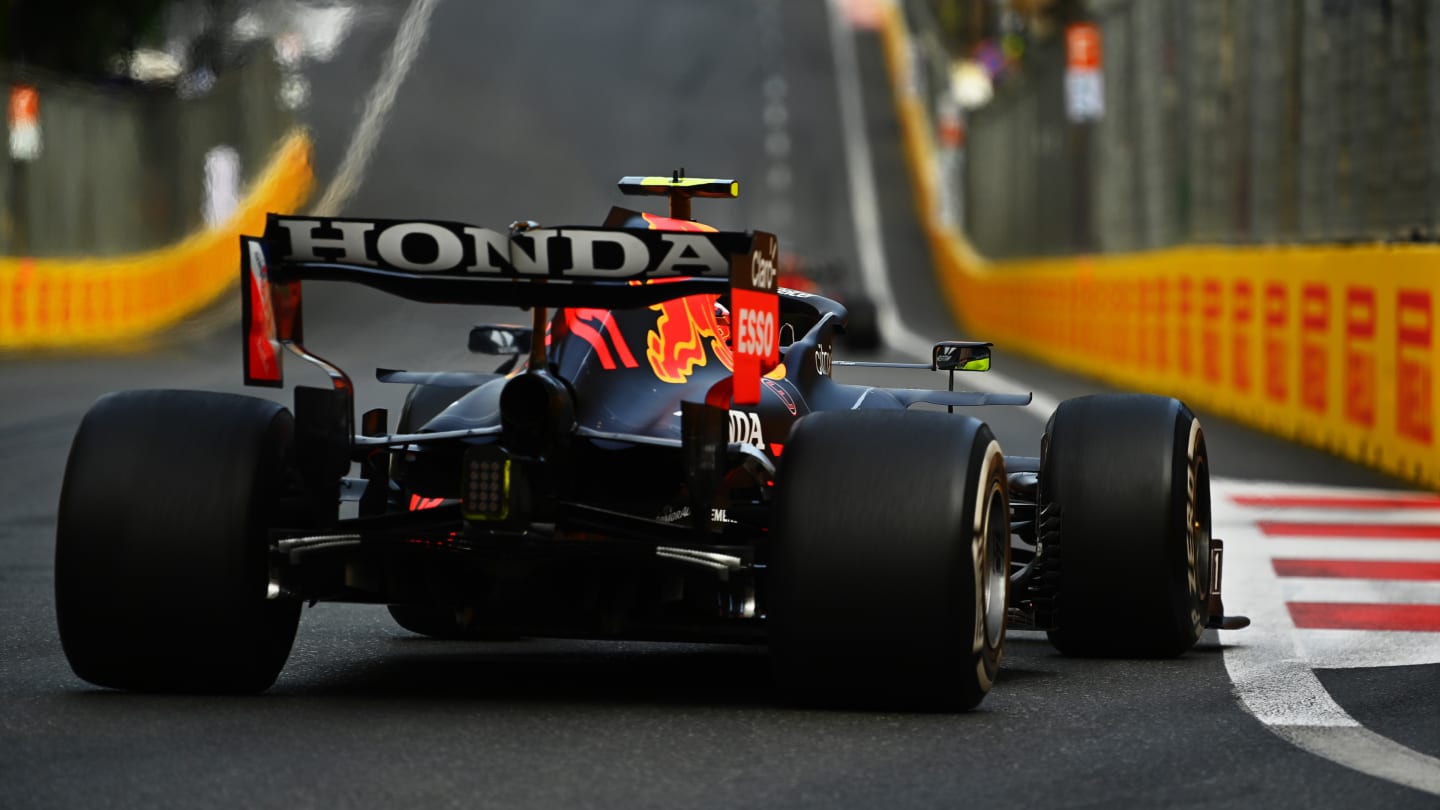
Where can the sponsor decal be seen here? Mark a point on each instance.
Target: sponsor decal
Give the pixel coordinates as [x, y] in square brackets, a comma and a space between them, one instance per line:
[1198, 591]
[1360, 356]
[1242, 338]
[1276, 344]
[757, 317]
[454, 249]
[779, 391]
[1145, 344]
[677, 515]
[686, 334]
[763, 274]
[1162, 330]
[745, 428]
[1413, 363]
[1184, 356]
[1314, 347]
[822, 359]
[756, 331]
[1211, 305]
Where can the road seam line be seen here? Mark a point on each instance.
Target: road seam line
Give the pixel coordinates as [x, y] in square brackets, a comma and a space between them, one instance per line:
[865, 212]
[408, 39]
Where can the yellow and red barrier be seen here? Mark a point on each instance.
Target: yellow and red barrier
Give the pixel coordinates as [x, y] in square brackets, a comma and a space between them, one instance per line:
[1331, 346]
[75, 303]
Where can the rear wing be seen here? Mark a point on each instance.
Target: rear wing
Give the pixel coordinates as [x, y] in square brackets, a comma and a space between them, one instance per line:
[530, 267]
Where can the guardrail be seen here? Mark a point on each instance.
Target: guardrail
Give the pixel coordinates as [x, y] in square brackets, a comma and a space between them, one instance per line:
[73, 303]
[1331, 346]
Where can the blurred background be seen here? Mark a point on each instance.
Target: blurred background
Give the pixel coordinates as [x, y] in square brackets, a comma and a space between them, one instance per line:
[1220, 121]
[134, 122]
[145, 135]
[1225, 200]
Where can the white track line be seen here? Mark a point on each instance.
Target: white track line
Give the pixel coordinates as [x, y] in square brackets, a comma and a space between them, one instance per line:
[1365, 649]
[1309, 548]
[1355, 516]
[1271, 663]
[1361, 749]
[1271, 679]
[1337, 589]
[408, 39]
[865, 211]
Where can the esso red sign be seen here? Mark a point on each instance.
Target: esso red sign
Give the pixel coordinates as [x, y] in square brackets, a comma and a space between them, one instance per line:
[756, 341]
[1082, 46]
[756, 335]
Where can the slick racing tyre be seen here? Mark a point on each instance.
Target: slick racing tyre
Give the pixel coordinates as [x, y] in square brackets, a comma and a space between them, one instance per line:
[1125, 526]
[890, 576]
[161, 545]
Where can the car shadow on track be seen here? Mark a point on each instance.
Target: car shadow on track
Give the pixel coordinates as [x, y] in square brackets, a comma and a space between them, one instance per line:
[557, 671]
[544, 671]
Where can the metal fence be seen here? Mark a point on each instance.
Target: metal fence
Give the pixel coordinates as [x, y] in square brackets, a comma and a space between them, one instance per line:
[122, 168]
[1226, 121]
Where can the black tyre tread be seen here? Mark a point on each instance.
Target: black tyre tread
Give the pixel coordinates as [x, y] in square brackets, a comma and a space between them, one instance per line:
[873, 578]
[161, 542]
[1113, 493]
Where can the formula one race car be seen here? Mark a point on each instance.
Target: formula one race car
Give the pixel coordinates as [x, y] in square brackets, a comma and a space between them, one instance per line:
[664, 455]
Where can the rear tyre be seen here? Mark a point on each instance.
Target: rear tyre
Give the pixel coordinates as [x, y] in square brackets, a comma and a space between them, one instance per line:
[1125, 495]
[889, 580]
[161, 545]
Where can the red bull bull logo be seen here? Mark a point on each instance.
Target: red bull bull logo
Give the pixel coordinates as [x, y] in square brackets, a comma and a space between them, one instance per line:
[691, 329]
[676, 345]
[655, 222]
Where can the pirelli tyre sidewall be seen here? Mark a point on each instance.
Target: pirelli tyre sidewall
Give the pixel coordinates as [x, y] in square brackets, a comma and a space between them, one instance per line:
[1125, 544]
[888, 584]
[162, 542]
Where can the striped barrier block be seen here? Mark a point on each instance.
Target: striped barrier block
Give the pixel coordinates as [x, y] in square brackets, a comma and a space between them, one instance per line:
[1333, 346]
[102, 302]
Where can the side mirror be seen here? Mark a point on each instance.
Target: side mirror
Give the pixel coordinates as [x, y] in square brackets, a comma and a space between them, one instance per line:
[960, 355]
[500, 339]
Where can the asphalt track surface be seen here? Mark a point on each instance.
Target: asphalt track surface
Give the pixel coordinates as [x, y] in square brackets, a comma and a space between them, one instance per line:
[533, 112]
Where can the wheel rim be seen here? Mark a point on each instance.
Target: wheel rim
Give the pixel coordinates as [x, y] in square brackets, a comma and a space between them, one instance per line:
[1198, 529]
[995, 576]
